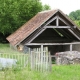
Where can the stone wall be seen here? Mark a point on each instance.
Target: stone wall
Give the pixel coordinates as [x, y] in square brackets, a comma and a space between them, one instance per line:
[68, 57]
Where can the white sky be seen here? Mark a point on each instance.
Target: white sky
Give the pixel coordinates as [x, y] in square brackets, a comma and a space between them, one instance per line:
[66, 6]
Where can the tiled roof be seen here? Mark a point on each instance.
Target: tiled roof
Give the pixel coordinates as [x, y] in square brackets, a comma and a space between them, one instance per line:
[30, 26]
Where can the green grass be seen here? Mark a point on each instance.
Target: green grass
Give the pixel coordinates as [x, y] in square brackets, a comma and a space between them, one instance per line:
[70, 72]
[63, 72]
[5, 48]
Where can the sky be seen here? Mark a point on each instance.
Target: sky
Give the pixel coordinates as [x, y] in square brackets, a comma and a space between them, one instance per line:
[66, 6]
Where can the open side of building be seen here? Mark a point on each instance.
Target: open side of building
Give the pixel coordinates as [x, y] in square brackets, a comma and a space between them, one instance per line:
[52, 29]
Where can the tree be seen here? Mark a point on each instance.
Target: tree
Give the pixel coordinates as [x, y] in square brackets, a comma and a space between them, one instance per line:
[14, 13]
[75, 16]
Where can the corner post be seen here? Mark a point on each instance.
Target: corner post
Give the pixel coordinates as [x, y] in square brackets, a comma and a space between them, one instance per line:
[70, 47]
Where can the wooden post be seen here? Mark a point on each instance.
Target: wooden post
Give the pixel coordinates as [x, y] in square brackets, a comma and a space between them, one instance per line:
[70, 47]
[41, 57]
[41, 49]
[57, 21]
[50, 62]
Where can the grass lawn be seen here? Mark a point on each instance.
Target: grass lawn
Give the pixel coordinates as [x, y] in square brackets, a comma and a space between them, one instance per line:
[70, 72]
[63, 72]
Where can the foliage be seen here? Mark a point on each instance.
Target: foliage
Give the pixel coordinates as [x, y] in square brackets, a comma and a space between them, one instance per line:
[14, 13]
[75, 15]
[77, 22]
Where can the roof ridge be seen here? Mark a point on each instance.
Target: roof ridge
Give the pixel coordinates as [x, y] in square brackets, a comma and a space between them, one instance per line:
[48, 10]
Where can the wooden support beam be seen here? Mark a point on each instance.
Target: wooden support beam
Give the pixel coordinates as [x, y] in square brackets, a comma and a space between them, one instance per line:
[66, 22]
[63, 21]
[51, 20]
[57, 27]
[52, 43]
[37, 34]
[74, 34]
[57, 21]
[32, 35]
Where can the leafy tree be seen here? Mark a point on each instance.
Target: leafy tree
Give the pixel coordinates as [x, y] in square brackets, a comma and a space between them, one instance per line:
[77, 22]
[14, 13]
[75, 16]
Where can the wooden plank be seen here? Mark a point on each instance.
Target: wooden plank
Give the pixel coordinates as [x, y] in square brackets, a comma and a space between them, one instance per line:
[57, 27]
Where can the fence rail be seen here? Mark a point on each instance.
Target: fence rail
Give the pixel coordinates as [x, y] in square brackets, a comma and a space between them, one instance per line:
[22, 59]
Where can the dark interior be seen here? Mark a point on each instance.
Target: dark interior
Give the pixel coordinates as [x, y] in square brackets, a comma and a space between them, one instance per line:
[54, 36]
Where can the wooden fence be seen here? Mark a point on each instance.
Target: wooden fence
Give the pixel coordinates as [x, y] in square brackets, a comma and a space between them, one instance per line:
[35, 60]
[40, 61]
[22, 59]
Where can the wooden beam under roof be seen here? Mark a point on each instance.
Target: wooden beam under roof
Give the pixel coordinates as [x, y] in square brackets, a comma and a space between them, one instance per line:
[31, 44]
[56, 26]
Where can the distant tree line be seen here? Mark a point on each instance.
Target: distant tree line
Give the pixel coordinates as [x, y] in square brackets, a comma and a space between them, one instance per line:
[14, 13]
